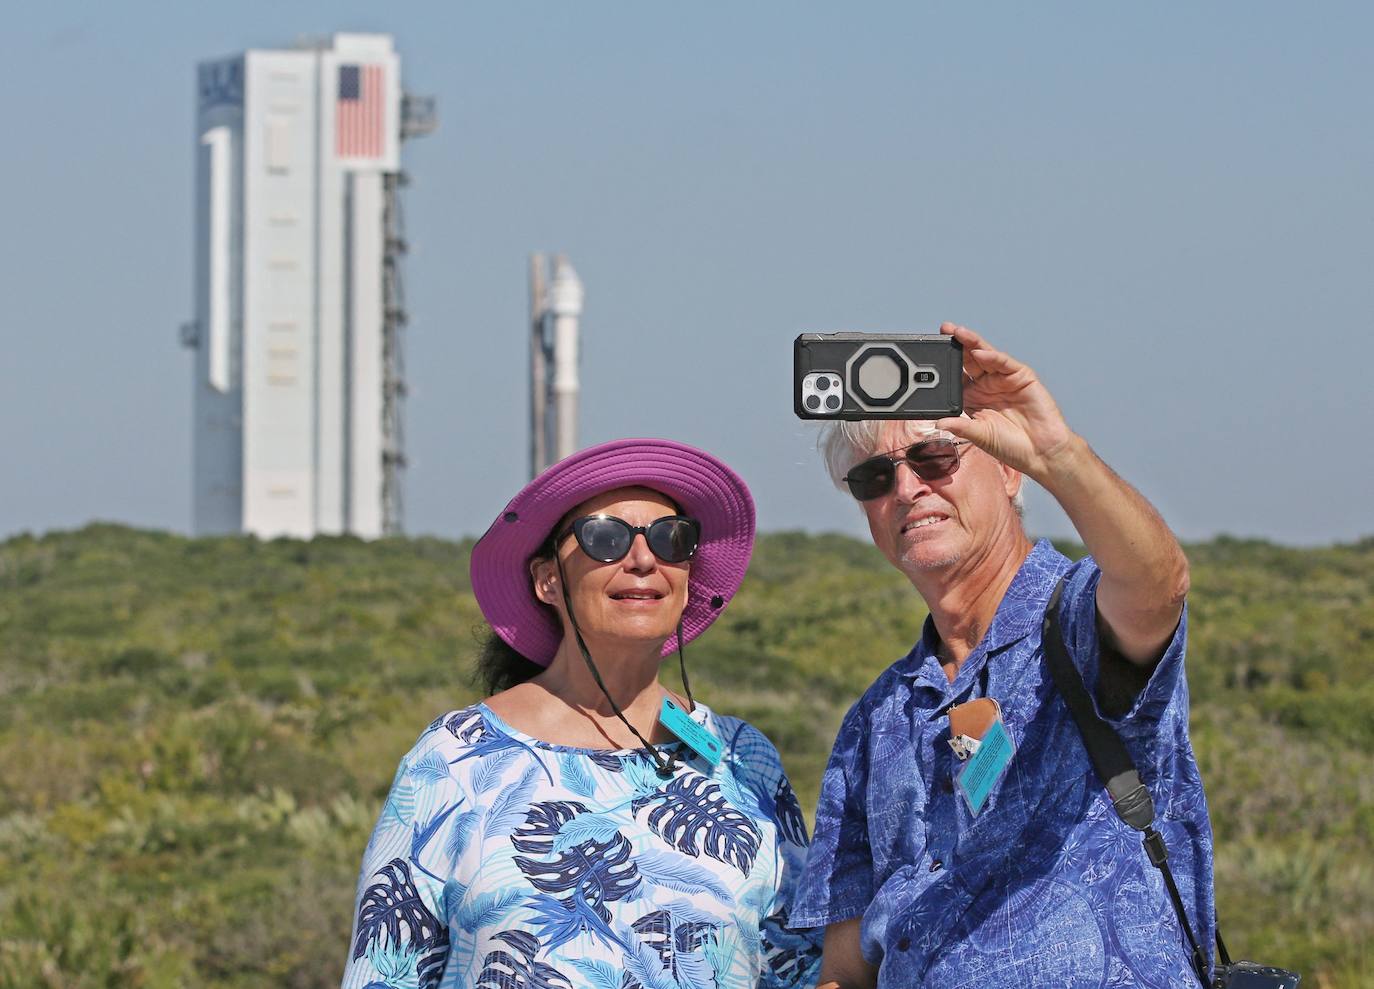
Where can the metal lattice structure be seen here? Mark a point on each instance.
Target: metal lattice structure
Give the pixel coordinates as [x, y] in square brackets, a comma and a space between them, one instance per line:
[418, 118]
[394, 318]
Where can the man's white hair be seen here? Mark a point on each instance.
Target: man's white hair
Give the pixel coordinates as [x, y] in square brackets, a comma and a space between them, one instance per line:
[844, 443]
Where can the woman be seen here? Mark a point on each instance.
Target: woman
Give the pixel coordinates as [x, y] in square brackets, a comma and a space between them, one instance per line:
[587, 827]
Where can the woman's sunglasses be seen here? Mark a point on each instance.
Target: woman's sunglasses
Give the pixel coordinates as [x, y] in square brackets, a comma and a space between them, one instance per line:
[929, 460]
[605, 538]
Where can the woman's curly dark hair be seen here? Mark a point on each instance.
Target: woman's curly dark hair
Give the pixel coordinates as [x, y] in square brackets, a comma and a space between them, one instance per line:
[500, 666]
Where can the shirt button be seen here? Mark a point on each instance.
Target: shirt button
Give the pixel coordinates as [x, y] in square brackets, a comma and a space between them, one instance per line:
[904, 944]
[936, 865]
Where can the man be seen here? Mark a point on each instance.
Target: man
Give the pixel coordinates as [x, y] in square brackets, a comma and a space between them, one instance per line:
[1041, 885]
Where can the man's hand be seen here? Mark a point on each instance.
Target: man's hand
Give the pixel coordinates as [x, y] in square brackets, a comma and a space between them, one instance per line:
[1014, 418]
[1144, 572]
[843, 965]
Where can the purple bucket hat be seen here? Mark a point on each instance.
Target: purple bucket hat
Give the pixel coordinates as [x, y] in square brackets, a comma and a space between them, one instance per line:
[703, 488]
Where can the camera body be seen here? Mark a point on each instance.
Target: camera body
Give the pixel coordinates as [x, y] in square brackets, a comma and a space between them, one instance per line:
[1248, 975]
[877, 376]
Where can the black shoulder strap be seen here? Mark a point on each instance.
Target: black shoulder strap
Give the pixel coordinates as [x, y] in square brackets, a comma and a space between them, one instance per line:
[1108, 754]
[1113, 764]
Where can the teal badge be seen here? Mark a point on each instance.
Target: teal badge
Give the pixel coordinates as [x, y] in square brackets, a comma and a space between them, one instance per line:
[985, 766]
[697, 738]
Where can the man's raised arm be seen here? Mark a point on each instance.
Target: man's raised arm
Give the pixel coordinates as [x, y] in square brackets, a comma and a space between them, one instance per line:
[1014, 418]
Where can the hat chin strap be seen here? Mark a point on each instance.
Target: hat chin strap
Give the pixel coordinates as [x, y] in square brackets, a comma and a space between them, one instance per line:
[682, 665]
[665, 766]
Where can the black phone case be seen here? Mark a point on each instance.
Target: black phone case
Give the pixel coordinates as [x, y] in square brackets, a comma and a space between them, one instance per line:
[813, 352]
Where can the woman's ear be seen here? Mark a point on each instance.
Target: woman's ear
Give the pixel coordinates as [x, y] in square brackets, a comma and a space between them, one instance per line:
[544, 575]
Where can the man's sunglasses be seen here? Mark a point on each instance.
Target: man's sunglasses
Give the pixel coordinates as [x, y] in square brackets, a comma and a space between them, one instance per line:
[605, 538]
[929, 460]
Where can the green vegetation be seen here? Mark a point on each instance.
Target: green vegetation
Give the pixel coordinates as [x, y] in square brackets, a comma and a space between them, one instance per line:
[196, 735]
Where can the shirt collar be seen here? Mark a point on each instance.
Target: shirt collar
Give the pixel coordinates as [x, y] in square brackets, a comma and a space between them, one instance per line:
[1021, 609]
[1023, 606]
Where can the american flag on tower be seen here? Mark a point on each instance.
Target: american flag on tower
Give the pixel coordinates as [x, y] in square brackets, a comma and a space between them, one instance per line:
[360, 112]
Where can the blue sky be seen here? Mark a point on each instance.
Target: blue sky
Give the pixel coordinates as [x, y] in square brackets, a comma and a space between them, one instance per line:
[1165, 210]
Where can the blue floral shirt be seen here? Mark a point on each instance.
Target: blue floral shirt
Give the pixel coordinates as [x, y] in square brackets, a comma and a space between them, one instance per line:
[504, 862]
[1045, 886]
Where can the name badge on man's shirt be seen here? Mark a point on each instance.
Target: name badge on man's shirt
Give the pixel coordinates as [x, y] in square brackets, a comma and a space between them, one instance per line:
[978, 736]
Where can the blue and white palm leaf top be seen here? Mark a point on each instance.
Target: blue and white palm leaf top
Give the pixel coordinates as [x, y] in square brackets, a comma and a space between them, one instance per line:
[789, 813]
[680, 937]
[691, 814]
[505, 862]
[484, 742]
[597, 870]
[393, 906]
[513, 966]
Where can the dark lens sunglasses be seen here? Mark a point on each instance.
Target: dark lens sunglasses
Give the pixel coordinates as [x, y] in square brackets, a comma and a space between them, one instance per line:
[605, 538]
[929, 460]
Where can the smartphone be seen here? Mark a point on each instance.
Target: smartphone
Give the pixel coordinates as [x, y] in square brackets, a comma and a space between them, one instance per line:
[877, 376]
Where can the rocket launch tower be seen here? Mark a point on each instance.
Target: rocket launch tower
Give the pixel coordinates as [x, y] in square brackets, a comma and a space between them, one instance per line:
[298, 296]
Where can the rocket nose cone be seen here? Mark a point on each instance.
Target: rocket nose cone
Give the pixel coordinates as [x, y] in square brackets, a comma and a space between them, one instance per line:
[565, 292]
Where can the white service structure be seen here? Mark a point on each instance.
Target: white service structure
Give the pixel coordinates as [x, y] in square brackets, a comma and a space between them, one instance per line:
[298, 302]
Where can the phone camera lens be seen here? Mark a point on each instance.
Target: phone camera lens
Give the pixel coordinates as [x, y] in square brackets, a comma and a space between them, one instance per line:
[822, 384]
[832, 402]
[813, 402]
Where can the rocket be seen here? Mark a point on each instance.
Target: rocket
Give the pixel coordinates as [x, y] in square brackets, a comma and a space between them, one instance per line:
[555, 308]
